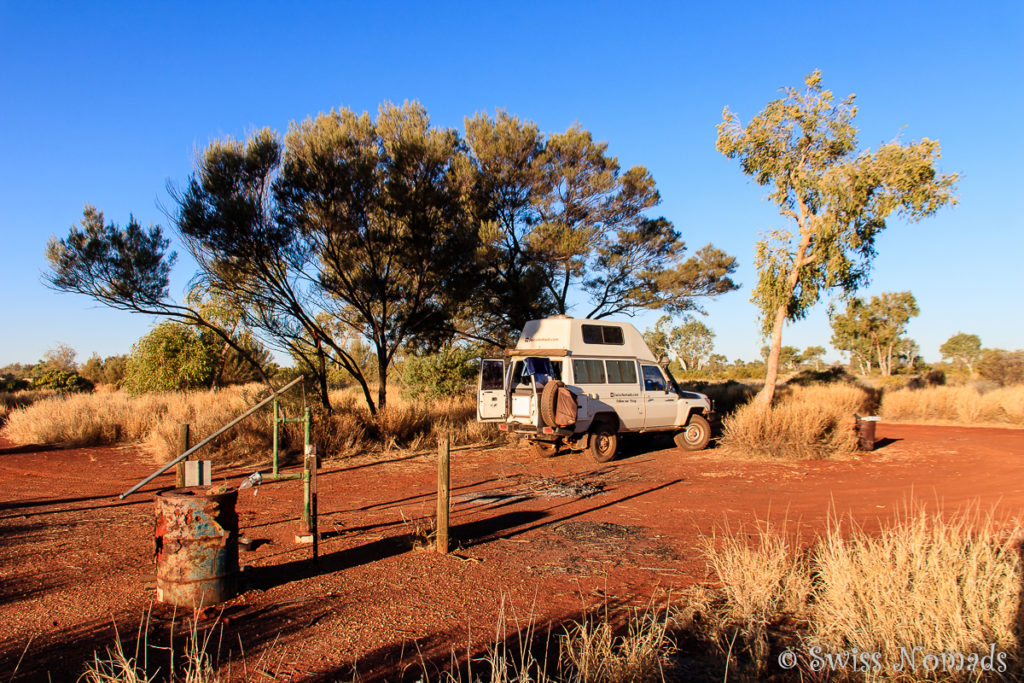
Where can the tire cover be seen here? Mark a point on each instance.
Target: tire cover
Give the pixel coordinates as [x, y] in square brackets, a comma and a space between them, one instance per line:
[565, 408]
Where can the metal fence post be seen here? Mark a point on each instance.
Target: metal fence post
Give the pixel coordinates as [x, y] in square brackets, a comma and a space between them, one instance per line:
[179, 481]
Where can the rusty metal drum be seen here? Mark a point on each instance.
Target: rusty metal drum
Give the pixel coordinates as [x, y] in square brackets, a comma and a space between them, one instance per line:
[196, 546]
[866, 432]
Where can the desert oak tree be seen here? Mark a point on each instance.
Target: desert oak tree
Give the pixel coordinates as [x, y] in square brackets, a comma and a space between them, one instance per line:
[803, 146]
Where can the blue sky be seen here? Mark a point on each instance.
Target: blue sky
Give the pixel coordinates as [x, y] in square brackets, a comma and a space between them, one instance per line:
[107, 104]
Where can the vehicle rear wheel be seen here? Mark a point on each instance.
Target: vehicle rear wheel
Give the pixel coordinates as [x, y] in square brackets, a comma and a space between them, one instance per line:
[543, 449]
[603, 443]
[549, 401]
[695, 435]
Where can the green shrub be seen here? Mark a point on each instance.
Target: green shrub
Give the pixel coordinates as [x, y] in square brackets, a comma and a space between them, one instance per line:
[171, 357]
[9, 383]
[443, 374]
[1003, 367]
[63, 381]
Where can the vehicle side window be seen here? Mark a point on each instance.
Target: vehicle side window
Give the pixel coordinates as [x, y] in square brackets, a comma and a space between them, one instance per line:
[621, 371]
[653, 379]
[588, 371]
[602, 334]
[492, 375]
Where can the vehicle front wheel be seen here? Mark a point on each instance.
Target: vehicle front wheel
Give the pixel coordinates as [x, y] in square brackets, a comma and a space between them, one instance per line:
[603, 444]
[695, 435]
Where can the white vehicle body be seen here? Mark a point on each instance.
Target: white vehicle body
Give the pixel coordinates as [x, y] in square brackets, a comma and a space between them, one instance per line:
[614, 379]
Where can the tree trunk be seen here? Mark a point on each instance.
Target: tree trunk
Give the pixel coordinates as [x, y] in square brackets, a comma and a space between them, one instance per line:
[221, 362]
[767, 394]
[321, 376]
[382, 378]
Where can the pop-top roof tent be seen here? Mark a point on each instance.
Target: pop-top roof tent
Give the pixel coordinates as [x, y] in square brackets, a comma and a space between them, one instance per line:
[565, 336]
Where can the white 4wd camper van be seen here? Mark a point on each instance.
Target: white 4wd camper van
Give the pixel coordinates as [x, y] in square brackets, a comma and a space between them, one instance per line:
[581, 383]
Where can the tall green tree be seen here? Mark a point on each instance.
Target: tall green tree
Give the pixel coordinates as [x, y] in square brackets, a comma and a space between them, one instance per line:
[813, 354]
[789, 356]
[690, 343]
[875, 328]
[962, 349]
[352, 222]
[803, 146]
[563, 222]
[504, 153]
[1003, 367]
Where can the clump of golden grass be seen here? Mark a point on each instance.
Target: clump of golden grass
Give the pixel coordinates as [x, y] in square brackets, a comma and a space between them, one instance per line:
[12, 400]
[591, 651]
[194, 662]
[961, 405]
[154, 420]
[804, 423]
[941, 585]
[759, 583]
[924, 581]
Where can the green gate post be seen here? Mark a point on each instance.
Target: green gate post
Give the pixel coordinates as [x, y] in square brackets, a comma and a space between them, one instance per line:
[276, 423]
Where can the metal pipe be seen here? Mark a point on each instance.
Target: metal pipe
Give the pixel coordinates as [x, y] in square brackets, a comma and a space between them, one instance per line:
[210, 438]
[277, 421]
[305, 434]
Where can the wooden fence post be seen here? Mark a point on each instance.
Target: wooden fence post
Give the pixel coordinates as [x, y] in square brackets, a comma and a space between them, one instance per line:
[182, 447]
[443, 490]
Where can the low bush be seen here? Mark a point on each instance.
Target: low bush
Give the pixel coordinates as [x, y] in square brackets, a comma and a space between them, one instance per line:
[804, 423]
[759, 583]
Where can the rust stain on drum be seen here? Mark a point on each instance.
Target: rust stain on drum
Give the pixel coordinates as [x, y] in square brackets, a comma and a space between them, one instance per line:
[196, 537]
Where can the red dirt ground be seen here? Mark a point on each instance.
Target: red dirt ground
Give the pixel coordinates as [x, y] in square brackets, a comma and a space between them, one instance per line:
[75, 560]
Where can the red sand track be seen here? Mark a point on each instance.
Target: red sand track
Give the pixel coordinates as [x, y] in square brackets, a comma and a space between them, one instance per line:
[75, 560]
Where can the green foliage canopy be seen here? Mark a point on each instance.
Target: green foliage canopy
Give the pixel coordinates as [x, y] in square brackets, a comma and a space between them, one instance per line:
[560, 216]
[962, 349]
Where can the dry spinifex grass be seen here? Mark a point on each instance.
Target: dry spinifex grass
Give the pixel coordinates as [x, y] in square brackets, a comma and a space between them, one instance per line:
[154, 420]
[804, 423]
[961, 405]
[940, 584]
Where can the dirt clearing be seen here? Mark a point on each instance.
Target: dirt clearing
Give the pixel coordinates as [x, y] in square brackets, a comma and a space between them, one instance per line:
[546, 538]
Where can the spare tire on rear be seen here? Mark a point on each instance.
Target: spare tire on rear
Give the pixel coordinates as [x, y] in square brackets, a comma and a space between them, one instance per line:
[557, 405]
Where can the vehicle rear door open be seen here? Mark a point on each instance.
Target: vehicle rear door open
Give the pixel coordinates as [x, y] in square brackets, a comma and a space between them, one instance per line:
[492, 403]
